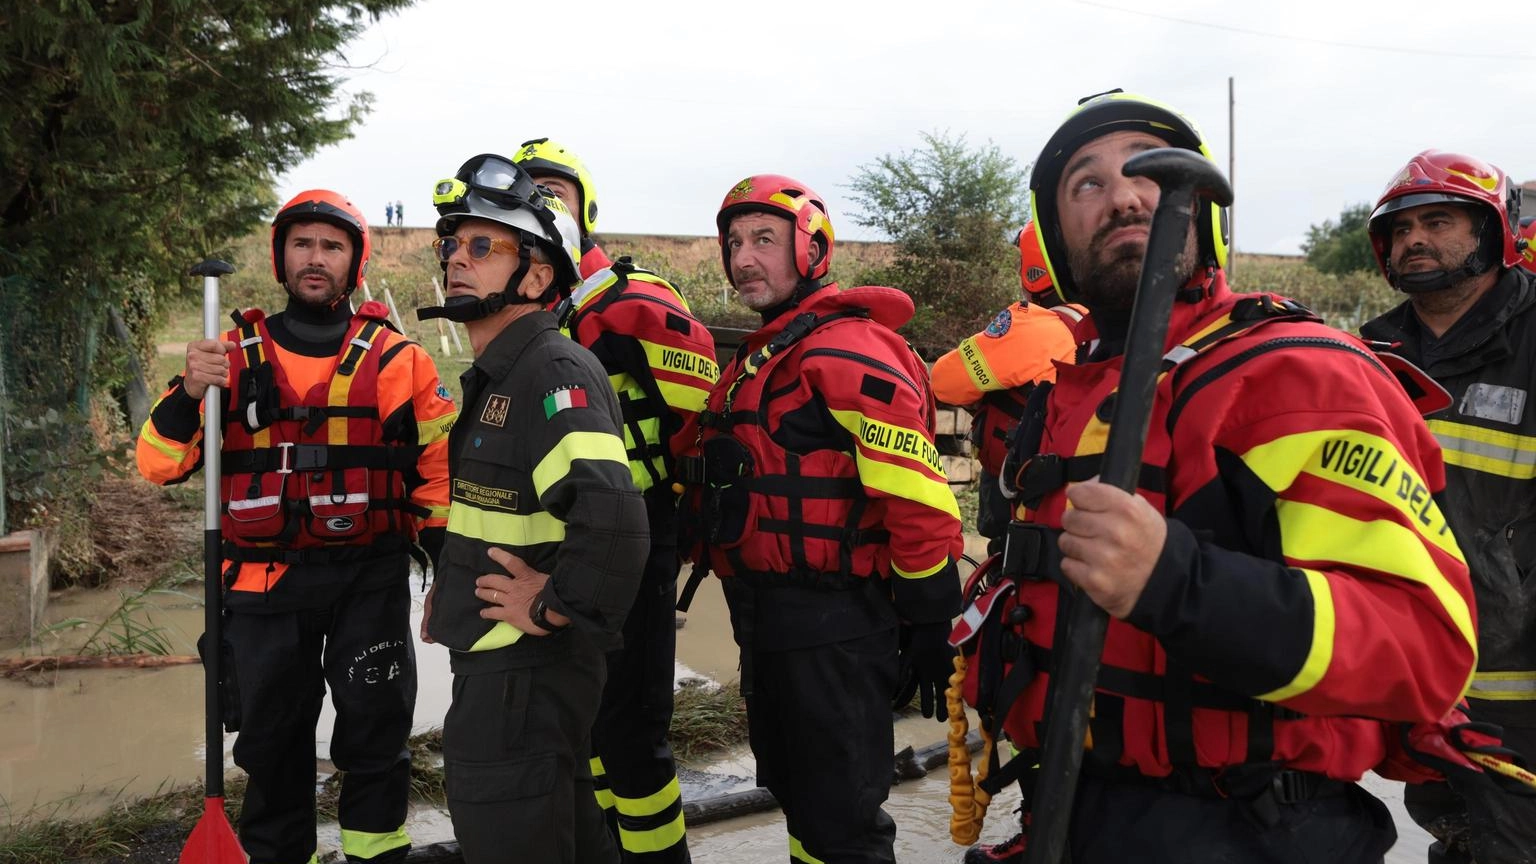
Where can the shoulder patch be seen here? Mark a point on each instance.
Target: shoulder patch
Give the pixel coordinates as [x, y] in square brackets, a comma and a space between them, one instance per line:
[563, 397]
[495, 413]
[1000, 324]
[442, 392]
[879, 389]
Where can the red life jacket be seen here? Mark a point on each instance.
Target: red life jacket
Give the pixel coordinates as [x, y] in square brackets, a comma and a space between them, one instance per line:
[765, 509]
[311, 478]
[1150, 714]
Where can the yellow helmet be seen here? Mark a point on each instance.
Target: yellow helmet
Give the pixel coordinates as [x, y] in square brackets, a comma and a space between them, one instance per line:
[541, 156]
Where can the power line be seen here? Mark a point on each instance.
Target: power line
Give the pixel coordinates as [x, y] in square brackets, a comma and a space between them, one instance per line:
[1429, 52]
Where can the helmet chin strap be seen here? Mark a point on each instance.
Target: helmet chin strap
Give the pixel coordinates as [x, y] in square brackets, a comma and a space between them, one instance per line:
[463, 310]
[1477, 263]
[1439, 280]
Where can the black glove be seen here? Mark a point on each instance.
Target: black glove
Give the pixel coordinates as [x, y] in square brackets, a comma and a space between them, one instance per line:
[927, 661]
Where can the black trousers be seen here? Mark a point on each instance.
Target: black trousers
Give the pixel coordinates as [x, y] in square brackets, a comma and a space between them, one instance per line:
[633, 769]
[516, 745]
[1475, 820]
[361, 647]
[820, 726]
[1116, 821]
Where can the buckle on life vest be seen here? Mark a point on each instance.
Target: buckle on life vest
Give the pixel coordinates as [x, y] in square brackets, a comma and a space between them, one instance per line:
[1029, 552]
[293, 457]
[285, 457]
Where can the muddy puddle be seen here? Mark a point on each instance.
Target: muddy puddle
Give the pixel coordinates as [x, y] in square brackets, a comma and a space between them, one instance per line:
[94, 737]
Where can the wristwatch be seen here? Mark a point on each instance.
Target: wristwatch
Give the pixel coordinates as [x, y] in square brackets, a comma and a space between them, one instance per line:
[537, 616]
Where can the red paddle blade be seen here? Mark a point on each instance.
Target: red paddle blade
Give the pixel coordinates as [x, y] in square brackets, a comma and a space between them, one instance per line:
[212, 840]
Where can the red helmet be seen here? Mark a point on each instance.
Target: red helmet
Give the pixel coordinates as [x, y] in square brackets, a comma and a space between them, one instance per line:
[1528, 237]
[780, 196]
[1437, 176]
[1034, 273]
[323, 205]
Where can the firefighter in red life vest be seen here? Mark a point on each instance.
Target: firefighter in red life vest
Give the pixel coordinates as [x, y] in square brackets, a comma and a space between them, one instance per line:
[1445, 233]
[1283, 588]
[819, 499]
[660, 360]
[993, 372]
[334, 468]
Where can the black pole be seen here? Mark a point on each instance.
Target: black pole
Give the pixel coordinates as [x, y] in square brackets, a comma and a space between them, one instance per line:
[1186, 177]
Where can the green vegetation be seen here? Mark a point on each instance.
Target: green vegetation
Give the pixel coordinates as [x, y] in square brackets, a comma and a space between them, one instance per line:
[1344, 247]
[948, 208]
[1344, 300]
[128, 629]
[707, 718]
[138, 137]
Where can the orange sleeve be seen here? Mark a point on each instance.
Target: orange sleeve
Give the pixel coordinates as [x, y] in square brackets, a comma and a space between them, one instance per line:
[1017, 348]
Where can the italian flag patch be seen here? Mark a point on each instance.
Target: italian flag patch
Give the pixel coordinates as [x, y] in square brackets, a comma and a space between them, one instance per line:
[560, 399]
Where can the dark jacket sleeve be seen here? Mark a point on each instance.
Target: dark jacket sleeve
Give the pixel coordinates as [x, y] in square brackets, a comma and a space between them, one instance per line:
[582, 478]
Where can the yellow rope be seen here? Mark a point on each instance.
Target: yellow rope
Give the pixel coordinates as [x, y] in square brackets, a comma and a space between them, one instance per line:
[967, 800]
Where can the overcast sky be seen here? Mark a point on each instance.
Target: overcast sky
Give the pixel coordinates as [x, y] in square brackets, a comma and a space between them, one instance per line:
[670, 102]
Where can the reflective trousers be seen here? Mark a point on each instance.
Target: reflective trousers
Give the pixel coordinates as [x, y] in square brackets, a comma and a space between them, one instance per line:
[633, 770]
[516, 746]
[361, 648]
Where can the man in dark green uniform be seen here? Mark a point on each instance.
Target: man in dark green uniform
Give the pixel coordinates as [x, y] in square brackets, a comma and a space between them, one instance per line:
[541, 494]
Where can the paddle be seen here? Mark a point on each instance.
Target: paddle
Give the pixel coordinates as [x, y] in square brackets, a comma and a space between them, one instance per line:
[212, 840]
[1187, 180]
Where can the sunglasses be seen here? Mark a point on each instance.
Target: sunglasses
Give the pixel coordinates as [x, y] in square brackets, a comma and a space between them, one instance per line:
[480, 246]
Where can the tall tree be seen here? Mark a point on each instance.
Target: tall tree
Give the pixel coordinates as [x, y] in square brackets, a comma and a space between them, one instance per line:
[1344, 246]
[138, 136]
[949, 209]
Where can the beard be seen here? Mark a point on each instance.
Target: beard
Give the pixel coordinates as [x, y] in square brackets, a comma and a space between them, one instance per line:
[1108, 278]
[308, 298]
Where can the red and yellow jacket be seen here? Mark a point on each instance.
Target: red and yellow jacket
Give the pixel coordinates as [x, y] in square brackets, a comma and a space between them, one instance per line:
[993, 371]
[1309, 582]
[279, 511]
[818, 455]
[659, 358]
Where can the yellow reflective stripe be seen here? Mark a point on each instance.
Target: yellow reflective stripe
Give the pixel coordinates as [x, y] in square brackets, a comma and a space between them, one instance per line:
[341, 386]
[1320, 653]
[437, 511]
[576, 445]
[684, 396]
[976, 365]
[596, 763]
[500, 636]
[895, 480]
[169, 449]
[1360, 461]
[681, 361]
[365, 844]
[797, 852]
[504, 529]
[1503, 686]
[651, 804]
[652, 839]
[918, 574]
[1312, 533]
[436, 429]
[1488, 450]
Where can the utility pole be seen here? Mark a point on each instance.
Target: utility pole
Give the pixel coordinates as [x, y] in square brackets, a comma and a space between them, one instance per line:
[1231, 175]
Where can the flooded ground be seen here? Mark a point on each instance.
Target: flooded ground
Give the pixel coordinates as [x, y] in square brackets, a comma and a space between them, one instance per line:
[94, 737]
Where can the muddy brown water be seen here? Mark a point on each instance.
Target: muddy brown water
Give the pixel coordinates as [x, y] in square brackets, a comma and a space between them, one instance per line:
[96, 737]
